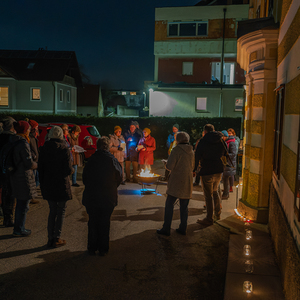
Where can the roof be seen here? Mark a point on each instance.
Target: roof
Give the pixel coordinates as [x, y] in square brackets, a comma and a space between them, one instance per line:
[40, 65]
[220, 2]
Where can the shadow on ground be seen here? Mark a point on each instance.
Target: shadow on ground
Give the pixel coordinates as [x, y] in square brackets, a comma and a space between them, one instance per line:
[140, 266]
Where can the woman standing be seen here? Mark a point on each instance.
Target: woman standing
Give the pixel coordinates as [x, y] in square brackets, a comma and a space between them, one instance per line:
[74, 135]
[55, 166]
[117, 147]
[22, 179]
[145, 148]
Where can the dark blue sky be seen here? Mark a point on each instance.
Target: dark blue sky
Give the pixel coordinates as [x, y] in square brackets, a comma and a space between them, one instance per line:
[113, 40]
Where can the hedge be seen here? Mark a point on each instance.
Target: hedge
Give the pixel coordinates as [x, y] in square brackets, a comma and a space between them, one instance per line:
[160, 127]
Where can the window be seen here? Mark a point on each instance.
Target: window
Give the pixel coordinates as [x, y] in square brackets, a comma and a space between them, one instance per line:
[61, 95]
[187, 29]
[228, 72]
[201, 104]
[3, 96]
[239, 104]
[187, 68]
[123, 93]
[278, 130]
[68, 96]
[132, 93]
[35, 94]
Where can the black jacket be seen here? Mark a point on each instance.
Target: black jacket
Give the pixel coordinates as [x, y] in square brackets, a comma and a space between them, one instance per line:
[209, 151]
[132, 140]
[22, 179]
[55, 166]
[101, 176]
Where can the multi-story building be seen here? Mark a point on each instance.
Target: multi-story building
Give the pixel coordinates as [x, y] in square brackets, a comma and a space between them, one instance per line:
[196, 73]
[39, 81]
[268, 50]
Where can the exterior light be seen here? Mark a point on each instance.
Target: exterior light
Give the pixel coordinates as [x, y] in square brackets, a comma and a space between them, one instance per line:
[248, 234]
[150, 90]
[249, 267]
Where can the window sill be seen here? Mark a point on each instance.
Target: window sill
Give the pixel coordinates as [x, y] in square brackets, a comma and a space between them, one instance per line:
[203, 111]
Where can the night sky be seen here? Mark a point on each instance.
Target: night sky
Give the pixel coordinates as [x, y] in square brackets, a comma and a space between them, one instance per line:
[113, 40]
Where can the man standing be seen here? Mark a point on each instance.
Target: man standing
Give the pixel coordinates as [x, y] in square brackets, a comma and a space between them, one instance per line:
[209, 152]
[132, 138]
[101, 176]
[7, 199]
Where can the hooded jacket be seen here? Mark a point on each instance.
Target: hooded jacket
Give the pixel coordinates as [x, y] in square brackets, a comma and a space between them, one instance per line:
[181, 165]
[209, 151]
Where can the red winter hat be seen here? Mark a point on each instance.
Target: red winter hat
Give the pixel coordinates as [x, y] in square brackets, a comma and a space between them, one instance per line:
[33, 123]
[21, 126]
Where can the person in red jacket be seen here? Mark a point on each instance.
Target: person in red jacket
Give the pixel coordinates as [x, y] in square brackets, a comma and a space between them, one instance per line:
[145, 147]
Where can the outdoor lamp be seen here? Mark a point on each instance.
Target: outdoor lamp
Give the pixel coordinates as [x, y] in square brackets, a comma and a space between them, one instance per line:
[247, 250]
[247, 287]
[249, 267]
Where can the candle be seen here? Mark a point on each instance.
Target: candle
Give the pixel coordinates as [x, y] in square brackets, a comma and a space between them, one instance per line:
[247, 250]
[247, 287]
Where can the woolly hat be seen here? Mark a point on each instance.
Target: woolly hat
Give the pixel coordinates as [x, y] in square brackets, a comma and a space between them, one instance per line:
[225, 133]
[147, 130]
[8, 123]
[33, 123]
[21, 126]
[182, 137]
[56, 133]
[132, 123]
[117, 128]
[176, 125]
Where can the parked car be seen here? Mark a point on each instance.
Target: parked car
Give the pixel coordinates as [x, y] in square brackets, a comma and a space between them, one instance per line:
[87, 138]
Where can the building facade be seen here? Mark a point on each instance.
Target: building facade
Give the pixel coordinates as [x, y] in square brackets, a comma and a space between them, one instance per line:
[191, 46]
[39, 81]
[269, 53]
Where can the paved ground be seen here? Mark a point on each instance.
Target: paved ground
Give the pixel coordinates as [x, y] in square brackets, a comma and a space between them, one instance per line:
[140, 264]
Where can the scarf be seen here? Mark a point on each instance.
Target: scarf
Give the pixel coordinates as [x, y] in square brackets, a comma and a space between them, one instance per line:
[26, 137]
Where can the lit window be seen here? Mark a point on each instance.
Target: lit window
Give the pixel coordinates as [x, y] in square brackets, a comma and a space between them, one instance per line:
[228, 72]
[201, 104]
[132, 93]
[239, 104]
[35, 94]
[123, 93]
[68, 96]
[61, 95]
[187, 68]
[187, 29]
[3, 96]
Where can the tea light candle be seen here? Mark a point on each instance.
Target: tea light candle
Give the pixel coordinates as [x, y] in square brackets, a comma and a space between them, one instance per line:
[247, 250]
[248, 234]
[244, 219]
[249, 267]
[247, 287]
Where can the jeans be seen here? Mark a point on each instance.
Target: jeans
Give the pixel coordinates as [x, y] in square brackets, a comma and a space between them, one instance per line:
[36, 176]
[210, 184]
[22, 208]
[56, 218]
[98, 228]
[169, 207]
[135, 168]
[74, 175]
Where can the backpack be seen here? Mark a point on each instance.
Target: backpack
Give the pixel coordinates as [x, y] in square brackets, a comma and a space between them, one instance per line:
[7, 164]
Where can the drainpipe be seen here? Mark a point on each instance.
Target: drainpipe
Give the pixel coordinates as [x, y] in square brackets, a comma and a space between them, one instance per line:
[222, 65]
[54, 99]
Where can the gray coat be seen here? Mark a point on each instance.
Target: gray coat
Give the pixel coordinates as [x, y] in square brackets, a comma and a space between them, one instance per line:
[22, 179]
[181, 165]
[115, 143]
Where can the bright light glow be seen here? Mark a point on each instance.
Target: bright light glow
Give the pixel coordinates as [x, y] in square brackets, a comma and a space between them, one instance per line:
[247, 250]
[238, 214]
[150, 90]
[146, 172]
[161, 104]
[247, 287]
[248, 234]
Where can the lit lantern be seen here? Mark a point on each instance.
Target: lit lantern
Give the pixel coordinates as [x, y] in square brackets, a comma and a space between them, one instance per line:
[248, 234]
[247, 250]
[249, 267]
[247, 287]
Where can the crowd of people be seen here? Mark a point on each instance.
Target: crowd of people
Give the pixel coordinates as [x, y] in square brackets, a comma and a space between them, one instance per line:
[53, 166]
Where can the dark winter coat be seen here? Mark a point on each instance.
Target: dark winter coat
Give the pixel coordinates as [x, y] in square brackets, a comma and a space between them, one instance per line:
[34, 148]
[132, 140]
[171, 139]
[101, 176]
[146, 157]
[22, 179]
[76, 156]
[231, 145]
[55, 166]
[209, 151]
